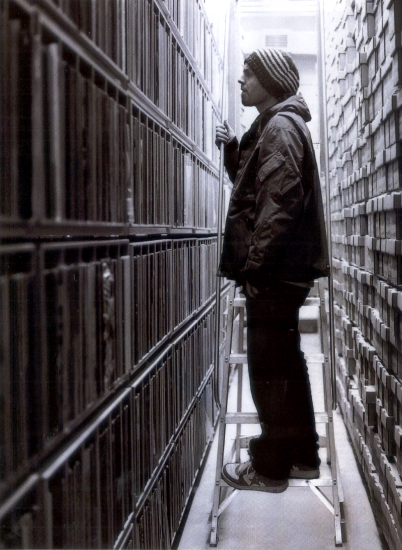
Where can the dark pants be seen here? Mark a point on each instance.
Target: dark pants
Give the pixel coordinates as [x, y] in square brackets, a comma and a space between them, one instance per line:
[279, 382]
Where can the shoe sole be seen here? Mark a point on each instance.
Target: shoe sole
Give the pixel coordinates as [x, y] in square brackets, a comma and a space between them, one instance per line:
[314, 474]
[279, 489]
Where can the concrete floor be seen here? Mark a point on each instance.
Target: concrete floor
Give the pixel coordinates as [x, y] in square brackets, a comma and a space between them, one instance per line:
[295, 519]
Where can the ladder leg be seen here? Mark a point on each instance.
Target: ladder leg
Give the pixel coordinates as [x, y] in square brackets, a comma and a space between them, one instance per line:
[341, 502]
[325, 350]
[240, 372]
[324, 370]
[222, 416]
[330, 426]
[239, 408]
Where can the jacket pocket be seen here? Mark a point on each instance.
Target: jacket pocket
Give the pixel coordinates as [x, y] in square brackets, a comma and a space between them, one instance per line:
[270, 165]
[294, 184]
[281, 173]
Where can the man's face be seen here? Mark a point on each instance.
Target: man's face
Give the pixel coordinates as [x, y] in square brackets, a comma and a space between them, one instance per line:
[252, 92]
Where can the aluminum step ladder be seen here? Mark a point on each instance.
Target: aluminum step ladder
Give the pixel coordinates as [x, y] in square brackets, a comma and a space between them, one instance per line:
[236, 357]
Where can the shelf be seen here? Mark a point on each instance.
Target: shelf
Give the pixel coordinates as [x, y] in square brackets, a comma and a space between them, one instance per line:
[76, 229]
[66, 229]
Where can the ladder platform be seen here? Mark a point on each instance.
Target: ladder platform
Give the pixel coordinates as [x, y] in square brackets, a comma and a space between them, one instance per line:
[252, 418]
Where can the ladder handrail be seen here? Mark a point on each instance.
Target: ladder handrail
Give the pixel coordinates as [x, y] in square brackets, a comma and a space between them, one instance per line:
[220, 216]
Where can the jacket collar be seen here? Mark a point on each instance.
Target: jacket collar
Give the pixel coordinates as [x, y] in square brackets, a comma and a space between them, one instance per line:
[255, 130]
[294, 104]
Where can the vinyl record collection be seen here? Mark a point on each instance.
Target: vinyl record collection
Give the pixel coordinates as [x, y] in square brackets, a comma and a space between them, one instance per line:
[108, 217]
[85, 144]
[364, 81]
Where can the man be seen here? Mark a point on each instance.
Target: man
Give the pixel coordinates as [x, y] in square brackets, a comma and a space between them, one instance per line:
[275, 246]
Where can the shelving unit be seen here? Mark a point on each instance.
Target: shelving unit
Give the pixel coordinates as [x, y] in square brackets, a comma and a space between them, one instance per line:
[364, 81]
[108, 223]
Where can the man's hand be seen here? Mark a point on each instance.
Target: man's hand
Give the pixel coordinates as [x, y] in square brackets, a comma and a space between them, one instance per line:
[224, 133]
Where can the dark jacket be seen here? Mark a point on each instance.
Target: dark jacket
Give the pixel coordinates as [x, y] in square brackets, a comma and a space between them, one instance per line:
[275, 225]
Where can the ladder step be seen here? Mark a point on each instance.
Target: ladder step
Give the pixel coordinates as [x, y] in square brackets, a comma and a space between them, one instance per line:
[320, 482]
[241, 358]
[316, 358]
[242, 418]
[245, 441]
[238, 359]
[322, 440]
[252, 418]
[239, 302]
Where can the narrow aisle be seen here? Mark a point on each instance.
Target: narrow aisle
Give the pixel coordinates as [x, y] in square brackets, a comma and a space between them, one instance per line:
[295, 519]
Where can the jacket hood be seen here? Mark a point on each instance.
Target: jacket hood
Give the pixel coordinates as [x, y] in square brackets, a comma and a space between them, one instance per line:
[294, 104]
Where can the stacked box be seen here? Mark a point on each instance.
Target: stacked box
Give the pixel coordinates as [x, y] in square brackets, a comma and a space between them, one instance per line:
[364, 95]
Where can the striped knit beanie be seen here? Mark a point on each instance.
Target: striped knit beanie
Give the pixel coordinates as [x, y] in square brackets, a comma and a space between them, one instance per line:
[275, 70]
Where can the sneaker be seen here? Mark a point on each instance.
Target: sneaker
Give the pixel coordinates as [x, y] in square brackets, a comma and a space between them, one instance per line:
[301, 471]
[243, 476]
